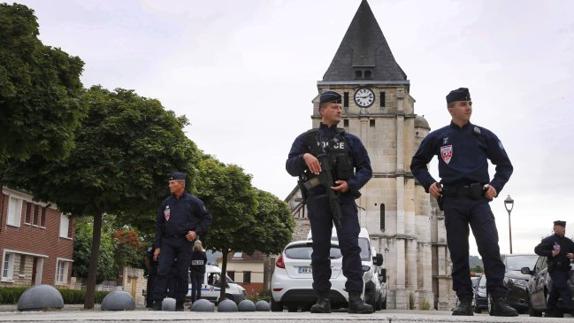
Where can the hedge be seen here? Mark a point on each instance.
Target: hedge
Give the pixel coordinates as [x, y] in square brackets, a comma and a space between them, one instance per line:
[10, 295]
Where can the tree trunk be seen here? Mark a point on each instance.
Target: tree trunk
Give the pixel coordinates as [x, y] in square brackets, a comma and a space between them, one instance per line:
[223, 279]
[93, 269]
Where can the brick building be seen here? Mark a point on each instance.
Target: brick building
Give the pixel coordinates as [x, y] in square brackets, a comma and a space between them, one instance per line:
[36, 242]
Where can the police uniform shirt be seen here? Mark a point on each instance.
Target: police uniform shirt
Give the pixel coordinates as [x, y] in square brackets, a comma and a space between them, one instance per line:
[178, 216]
[296, 164]
[560, 262]
[463, 154]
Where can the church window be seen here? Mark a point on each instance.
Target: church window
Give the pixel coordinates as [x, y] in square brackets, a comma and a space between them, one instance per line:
[358, 75]
[345, 122]
[346, 99]
[382, 217]
[382, 100]
[372, 123]
[368, 75]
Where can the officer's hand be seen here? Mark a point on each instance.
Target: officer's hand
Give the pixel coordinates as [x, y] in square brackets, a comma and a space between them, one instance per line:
[555, 252]
[155, 254]
[435, 190]
[490, 193]
[312, 163]
[570, 255]
[191, 235]
[342, 186]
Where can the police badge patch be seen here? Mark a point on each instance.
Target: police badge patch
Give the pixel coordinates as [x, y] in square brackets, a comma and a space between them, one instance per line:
[446, 153]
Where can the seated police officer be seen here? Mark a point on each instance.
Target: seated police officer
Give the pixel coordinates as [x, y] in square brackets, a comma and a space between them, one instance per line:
[325, 159]
[560, 251]
[181, 218]
[463, 149]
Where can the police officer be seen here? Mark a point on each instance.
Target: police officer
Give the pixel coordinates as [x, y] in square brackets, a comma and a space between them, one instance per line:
[560, 251]
[181, 218]
[351, 169]
[464, 193]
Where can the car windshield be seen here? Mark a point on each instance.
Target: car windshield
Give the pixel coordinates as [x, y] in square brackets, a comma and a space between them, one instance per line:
[305, 251]
[518, 262]
[365, 249]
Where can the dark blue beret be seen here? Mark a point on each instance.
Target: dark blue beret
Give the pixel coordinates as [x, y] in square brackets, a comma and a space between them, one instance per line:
[560, 223]
[330, 96]
[460, 94]
[177, 176]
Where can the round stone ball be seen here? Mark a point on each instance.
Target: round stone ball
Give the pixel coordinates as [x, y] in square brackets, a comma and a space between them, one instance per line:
[262, 306]
[246, 306]
[40, 298]
[118, 301]
[227, 305]
[168, 304]
[202, 305]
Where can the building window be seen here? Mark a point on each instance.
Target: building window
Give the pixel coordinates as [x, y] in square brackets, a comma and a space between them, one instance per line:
[43, 217]
[22, 268]
[382, 100]
[345, 122]
[382, 217]
[62, 272]
[64, 226]
[358, 75]
[14, 211]
[346, 99]
[368, 75]
[28, 213]
[372, 123]
[36, 215]
[231, 274]
[8, 267]
[247, 277]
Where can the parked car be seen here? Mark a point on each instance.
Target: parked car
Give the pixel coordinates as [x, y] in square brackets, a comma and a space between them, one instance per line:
[515, 281]
[480, 301]
[291, 282]
[540, 285]
[210, 289]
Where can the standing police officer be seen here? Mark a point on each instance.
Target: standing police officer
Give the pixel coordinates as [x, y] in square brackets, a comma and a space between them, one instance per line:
[351, 169]
[464, 193]
[559, 250]
[181, 219]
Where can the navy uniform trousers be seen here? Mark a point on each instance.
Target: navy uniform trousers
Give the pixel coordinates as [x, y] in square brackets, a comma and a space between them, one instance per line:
[460, 212]
[173, 249]
[321, 221]
[561, 289]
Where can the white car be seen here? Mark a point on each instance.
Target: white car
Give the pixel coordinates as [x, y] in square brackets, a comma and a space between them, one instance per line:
[291, 283]
[210, 289]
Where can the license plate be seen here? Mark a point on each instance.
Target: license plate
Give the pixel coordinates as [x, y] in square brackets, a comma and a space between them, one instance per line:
[305, 270]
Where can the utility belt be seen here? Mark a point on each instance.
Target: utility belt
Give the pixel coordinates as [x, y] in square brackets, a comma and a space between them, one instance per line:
[474, 191]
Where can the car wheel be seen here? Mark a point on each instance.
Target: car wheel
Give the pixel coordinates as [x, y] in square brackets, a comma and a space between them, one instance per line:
[276, 306]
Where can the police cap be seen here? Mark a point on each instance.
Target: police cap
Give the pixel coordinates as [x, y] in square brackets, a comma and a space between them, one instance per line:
[560, 223]
[329, 96]
[460, 94]
[177, 176]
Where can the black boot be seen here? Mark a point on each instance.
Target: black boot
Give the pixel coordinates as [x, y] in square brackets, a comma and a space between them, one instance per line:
[464, 307]
[356, 304]
[156, 306]
[179, 306]
[501, 308]
[323, 305]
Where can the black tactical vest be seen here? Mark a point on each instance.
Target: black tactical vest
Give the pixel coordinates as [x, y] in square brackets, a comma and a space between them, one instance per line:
[336, 147]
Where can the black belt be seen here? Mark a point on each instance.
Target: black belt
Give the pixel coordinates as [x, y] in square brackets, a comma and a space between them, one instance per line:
[473, 191]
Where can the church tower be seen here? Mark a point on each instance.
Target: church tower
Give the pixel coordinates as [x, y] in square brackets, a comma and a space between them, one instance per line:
[397, 212]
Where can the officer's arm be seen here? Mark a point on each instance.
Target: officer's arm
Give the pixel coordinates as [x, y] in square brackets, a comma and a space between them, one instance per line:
[362, 164]
[205, 217]
[158, 226]
[544, 248]
[497, 155]
[295, 163]
[420, 160]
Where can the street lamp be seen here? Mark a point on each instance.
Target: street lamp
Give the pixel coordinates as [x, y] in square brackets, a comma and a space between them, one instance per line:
[509, 204]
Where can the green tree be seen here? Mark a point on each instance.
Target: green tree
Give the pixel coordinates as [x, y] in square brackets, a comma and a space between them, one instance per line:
[228, 195]
[274, 225]
[107, 270]
[124, 150]
[39, 90]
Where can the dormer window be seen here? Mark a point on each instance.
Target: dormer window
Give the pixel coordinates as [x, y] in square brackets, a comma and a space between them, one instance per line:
[363, 72]
[358, 75]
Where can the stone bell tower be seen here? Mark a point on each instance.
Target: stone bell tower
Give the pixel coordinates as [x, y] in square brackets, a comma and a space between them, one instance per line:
[379, 109]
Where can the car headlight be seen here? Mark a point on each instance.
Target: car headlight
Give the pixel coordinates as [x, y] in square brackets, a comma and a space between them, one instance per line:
[520, 282]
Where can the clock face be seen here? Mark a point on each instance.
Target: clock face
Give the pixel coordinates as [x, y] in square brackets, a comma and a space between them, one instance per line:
[364, 97]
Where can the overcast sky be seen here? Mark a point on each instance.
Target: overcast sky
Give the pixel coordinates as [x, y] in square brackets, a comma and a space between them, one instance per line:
[245, 72]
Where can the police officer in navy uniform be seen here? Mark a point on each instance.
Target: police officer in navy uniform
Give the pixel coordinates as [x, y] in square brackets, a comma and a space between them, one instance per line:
[560, 251]
[464, 193]
[181, 218]
[351, 170]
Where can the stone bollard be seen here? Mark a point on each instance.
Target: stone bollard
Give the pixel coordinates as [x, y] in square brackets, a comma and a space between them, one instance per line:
[40, 298]
[118, 301]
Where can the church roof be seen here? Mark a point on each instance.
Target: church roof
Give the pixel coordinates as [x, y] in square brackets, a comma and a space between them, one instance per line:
[364, 53]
